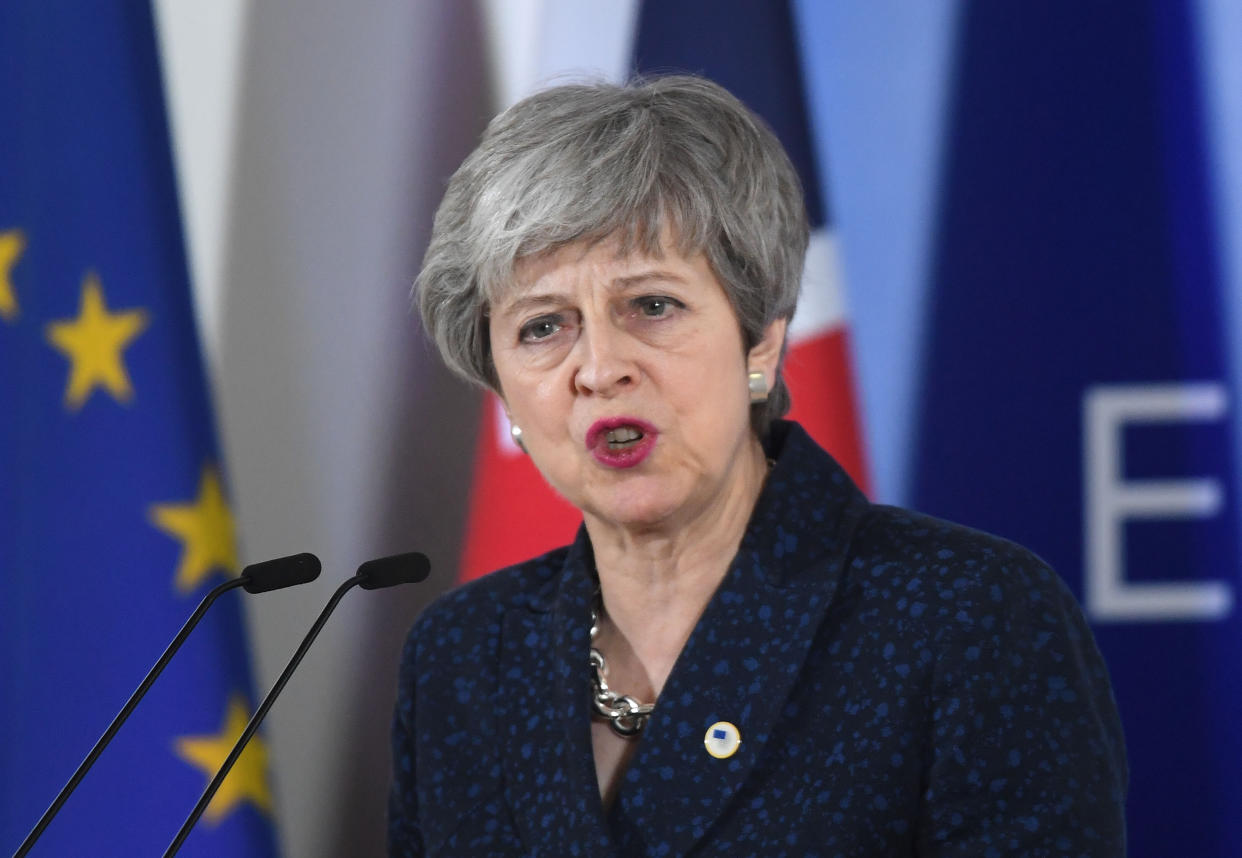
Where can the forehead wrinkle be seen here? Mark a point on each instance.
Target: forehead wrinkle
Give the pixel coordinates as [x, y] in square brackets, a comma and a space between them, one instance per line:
[526, 300]
[628, 280]
[528, 296]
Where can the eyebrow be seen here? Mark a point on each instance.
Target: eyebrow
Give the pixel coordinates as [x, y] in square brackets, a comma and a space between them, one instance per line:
[617, 284]
[526, 302]
[643, 276]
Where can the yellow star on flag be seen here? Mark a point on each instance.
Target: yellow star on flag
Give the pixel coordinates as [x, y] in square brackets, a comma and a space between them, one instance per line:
[93, 342]
[247, 780]
[12, 243]
[205, 528]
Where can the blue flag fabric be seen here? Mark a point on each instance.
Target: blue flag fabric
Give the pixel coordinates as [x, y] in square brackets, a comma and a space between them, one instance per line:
[113, 518]
[1076, 389]
[749, 49]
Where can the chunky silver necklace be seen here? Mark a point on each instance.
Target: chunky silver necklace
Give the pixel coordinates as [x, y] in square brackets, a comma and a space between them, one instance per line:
[624, 714]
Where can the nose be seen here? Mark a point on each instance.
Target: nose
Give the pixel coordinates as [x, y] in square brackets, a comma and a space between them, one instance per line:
[605, 366]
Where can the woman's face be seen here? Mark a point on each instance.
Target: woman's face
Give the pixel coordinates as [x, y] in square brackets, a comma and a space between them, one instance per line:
[627, 376]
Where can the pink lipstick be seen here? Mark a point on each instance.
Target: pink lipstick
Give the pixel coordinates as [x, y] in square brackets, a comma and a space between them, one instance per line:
[621, 442]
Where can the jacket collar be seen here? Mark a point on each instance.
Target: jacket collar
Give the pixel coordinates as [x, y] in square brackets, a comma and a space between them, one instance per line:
[739, 665]
[549, 767]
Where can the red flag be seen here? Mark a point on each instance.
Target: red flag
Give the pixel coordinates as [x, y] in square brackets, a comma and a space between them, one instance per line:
[818, 366]
[514, 513]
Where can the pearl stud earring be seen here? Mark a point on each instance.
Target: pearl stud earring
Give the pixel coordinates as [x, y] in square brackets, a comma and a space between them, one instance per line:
[515, 432]
[758, 385]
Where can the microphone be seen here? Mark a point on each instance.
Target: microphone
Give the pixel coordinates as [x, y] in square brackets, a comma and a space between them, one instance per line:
[256, 578]
[280, 573]
[409, 568]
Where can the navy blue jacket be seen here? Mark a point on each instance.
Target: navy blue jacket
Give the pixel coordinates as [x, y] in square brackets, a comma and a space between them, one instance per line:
[902, 686]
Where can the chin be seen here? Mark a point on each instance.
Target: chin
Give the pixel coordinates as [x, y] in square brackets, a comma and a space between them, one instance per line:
[636, 509]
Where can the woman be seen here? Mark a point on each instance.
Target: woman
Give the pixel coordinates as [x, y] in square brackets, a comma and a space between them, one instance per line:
[739, 654]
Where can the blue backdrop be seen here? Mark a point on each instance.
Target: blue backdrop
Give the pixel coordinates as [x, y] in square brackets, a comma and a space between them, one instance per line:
[113, 517]
[1043, 335]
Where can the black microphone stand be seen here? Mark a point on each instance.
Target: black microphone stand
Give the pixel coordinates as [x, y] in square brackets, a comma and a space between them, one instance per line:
[258, 717]
[124, 714]
[373, 575]
[256, 578]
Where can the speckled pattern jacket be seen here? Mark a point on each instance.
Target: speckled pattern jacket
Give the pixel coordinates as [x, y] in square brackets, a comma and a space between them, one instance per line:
[902, 686]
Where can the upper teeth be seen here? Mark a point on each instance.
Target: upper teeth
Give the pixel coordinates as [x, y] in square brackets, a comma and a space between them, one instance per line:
[622, 434]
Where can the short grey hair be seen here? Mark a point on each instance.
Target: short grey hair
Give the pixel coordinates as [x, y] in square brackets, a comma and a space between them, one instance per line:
[585, 162]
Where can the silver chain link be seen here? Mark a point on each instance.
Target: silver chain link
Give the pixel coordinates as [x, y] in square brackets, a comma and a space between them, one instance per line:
[625, 715]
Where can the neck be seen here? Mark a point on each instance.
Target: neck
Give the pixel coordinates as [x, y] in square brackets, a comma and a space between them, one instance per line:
[655, 583]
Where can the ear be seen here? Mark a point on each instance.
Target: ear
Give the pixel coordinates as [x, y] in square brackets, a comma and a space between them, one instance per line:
[765, 355]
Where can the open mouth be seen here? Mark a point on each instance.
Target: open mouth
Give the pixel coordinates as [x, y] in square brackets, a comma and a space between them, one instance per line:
[621, 441]
[623, 437]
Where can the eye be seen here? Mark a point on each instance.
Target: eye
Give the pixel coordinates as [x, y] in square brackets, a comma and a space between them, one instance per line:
[656, 306]
[539, 329]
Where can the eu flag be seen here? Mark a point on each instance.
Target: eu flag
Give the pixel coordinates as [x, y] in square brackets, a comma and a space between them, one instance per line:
[114, 518]
[1077, 392]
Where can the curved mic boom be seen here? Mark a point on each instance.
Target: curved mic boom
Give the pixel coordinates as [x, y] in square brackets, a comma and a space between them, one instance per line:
[375, 574]
[255, 578]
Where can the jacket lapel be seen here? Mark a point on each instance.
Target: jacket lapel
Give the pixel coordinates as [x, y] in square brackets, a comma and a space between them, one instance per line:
[739, 666]
[743, 658]
[549, 768]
